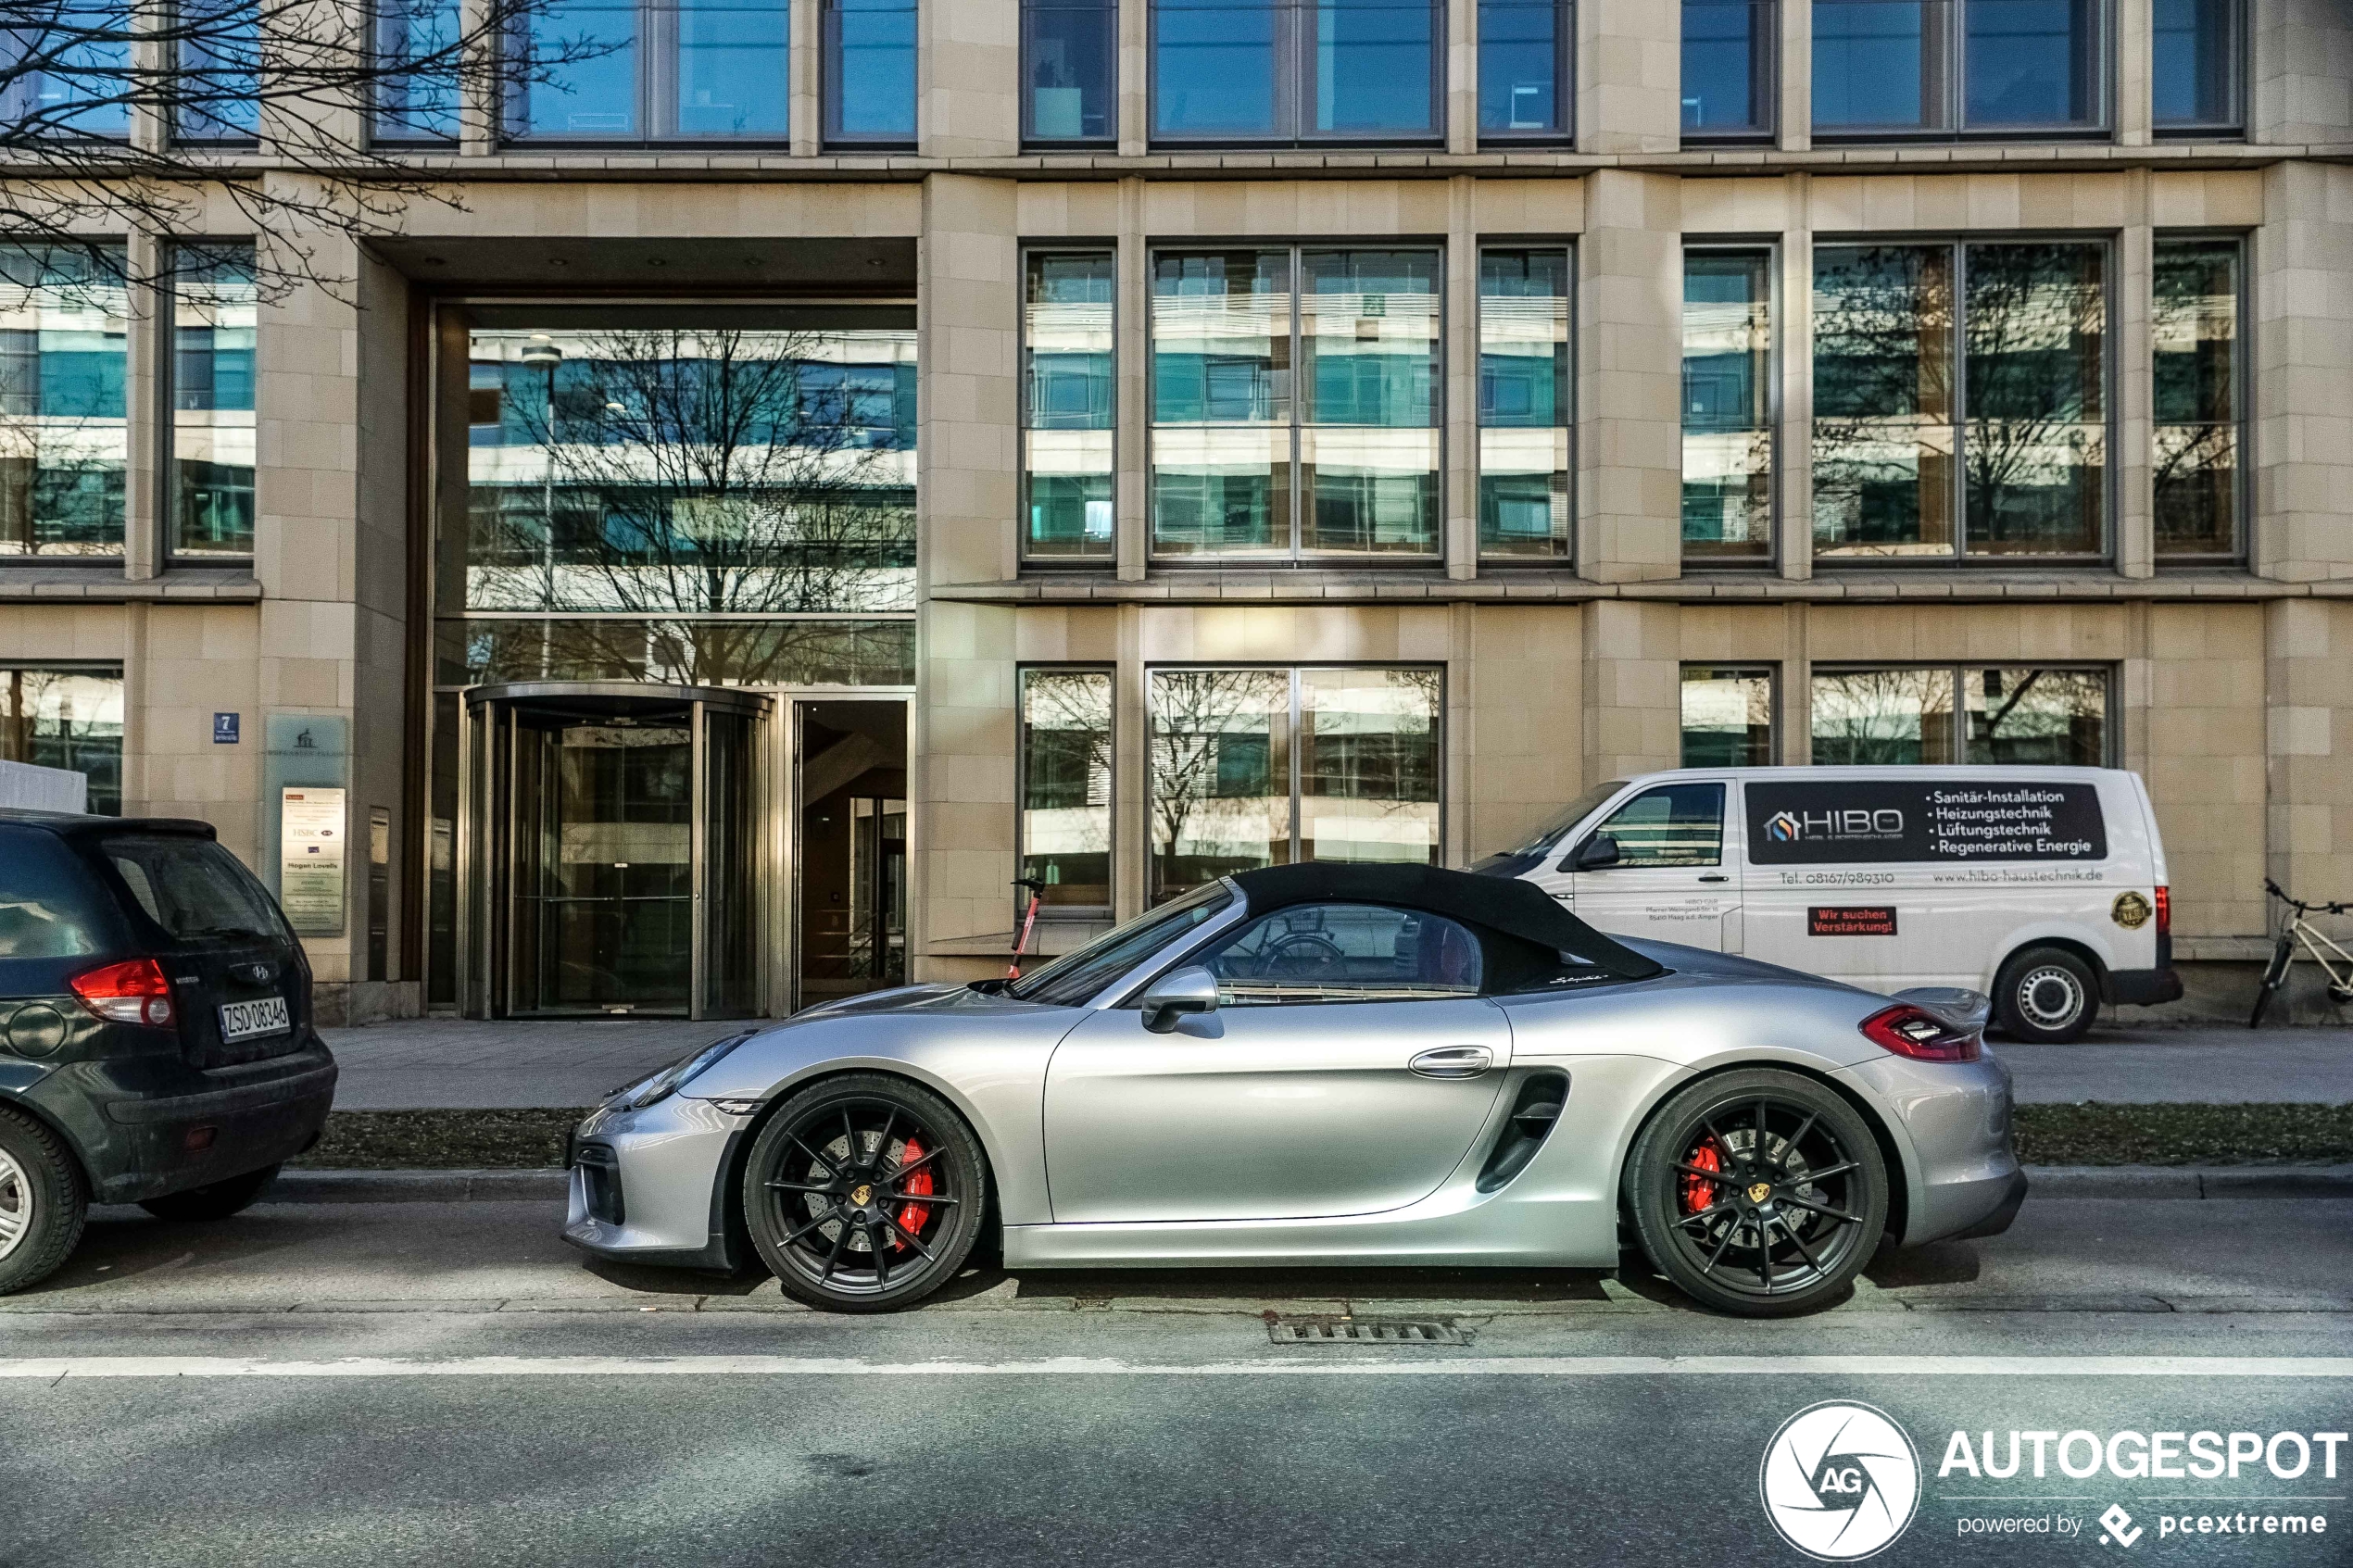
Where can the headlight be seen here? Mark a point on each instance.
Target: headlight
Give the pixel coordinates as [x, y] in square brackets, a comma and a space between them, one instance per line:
[646, 1091]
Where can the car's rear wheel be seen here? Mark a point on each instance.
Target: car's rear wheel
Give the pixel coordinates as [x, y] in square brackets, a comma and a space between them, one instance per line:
[864, 1194]
[2046, 997]
[214, 1200]
[42, 1202]
[1758, 1192]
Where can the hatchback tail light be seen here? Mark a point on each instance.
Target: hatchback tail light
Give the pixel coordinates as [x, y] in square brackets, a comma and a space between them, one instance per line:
[2165, 912]
[1920, 1035]
[134, 991]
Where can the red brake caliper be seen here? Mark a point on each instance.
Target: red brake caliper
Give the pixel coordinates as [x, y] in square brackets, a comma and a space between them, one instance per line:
[1698, 1191]
[918, 1185]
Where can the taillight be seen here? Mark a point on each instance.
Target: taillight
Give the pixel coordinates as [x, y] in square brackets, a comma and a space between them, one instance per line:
[1920, 1035]
[134, 991]
[2165, 912]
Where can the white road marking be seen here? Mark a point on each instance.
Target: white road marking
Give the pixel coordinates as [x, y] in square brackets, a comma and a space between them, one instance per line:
[58, 1368]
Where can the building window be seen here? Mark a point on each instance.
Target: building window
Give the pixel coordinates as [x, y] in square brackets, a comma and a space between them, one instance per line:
[1729, 716]
[418, 98]
[1065, 788]
[1070, 70]
[1728, 68]
[67, 317]
[66, 718]
[1286, 71]
[1887, 67]
[870, 73]
[656, 71]
[2195, 69]
[1728, 405]
[1524, 384]
[1269, 767]
[1342, 461]
[1523, 62]
[2198, 409]
[2015, 446]
[214, 306]
[1069, 389]
[219, 71]
[75, 81]
[2012, 715]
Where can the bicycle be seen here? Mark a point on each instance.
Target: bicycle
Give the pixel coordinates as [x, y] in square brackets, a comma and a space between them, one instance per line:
[2317, 945]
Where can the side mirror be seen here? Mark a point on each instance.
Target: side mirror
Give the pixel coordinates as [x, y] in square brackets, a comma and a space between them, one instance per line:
[1190, 990]
[1599, 851]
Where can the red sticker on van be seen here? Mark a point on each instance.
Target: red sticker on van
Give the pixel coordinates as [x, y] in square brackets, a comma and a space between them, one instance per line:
[1874, 920]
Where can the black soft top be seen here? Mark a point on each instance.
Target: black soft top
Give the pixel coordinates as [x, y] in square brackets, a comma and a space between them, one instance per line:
[1513, 907]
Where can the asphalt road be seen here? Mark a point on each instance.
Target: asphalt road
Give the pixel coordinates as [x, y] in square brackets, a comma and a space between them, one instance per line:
[309, 1384]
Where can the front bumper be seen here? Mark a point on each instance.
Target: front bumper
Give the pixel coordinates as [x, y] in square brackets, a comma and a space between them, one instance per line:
[651, 1187]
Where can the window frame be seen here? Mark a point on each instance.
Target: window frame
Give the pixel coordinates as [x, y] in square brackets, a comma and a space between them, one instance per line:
[1292, 555]
[2242, 402]
[1030, 140]
[1765, 71]
[105, 669]
[2111, 735]
[1079, 913]
[386, 127]
[1294, 96]
[1564, 85]
[1153, 896]
[1565, 559]
[2233, 128]
[140, 433]
[831, 92]
[2111, 414]
[167, 413]
[653, 101]
[1107, 557]
[1769, 558]
[1953, 123]
[175, 130]
[1776, 709]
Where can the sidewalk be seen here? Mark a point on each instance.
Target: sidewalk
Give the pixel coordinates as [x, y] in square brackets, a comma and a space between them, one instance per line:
[447, 1063]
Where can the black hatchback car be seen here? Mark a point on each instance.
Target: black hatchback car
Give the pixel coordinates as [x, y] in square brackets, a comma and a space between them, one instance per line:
[156, 1036]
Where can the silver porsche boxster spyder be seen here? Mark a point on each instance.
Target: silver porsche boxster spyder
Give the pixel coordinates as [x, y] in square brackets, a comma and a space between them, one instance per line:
[1322, 1064]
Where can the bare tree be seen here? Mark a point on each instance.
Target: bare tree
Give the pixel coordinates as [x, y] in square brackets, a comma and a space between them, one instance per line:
[140, 116]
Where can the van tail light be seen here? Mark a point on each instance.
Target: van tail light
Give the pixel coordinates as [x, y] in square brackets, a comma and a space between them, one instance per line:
[1920, 1035]
[134, 991]
[2165, 912]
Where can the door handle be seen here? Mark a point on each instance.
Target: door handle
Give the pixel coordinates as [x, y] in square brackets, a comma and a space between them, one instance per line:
[1714, 876]
[1453, 1061]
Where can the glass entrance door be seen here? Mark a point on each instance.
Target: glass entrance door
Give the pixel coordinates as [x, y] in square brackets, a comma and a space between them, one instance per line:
[611, 851]
[850, 847]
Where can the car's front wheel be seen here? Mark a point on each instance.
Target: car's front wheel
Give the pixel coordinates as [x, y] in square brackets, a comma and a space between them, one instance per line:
[864, 1193]
[1759, 1192]
[42, 1202]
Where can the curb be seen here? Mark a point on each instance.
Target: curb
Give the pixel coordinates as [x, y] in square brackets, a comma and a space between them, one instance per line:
[2142, 1183]
[2190, 1182]
[547, 1185]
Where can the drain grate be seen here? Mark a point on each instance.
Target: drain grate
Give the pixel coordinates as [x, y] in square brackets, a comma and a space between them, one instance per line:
[1325, 1328]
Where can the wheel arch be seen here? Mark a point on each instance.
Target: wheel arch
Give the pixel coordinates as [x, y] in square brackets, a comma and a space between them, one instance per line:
[32, 1112]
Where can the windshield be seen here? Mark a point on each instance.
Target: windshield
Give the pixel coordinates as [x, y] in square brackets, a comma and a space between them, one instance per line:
[1568, 817]
[1076, 977]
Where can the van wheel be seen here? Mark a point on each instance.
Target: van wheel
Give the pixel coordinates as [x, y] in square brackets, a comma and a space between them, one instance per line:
[42, 1202]
[2046, 997]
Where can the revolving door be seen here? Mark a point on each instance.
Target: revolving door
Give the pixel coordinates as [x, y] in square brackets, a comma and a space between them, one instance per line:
[611, 844]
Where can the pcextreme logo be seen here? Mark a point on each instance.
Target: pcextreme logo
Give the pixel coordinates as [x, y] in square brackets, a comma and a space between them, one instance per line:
[1840, 1481]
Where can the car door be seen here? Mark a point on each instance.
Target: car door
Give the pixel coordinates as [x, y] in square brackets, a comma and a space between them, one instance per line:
[1299, 1096]
[1675, 877]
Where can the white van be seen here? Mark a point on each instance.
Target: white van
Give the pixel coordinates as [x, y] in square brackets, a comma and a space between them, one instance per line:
[2044, 887]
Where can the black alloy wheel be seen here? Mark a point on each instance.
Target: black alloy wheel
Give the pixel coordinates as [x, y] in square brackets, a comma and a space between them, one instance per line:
[864, 1194]
[1759, 1193]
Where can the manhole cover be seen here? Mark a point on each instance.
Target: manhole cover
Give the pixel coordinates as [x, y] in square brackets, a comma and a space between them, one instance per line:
[1323, 1328]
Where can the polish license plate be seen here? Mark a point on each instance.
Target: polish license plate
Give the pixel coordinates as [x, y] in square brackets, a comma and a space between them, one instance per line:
[243, 1020]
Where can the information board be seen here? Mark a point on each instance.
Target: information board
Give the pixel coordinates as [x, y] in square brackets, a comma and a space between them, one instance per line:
[311, 858]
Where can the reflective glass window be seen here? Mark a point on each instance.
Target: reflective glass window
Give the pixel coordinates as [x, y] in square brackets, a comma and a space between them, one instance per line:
[1368, 336]
[1070, 52]
[1728, 716]
[1672, 825]
[2026, 715]
[220, 70]
[808, 651]
[1728, 405]
[64, 322]
[1524, 383]
[215, 306]
[1880, 65]
[2032, 62]
[1068, 403]
[1294, 69]
[1522, 53]
[2012, 715]
[1873, 717]
[1345, 953]
[2035, 442]
[69, 717]
[1728, 67]
[1221, 389]
[2198, 408]
[418, 99]
[75, 81]
[870, 71]
[1883, 403]
[1889, 66]
[1065, 787]
[2195, 63]
[648, 69]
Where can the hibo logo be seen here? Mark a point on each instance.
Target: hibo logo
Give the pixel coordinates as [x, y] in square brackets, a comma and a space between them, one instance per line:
[1840, 1481]
[1788, 827]
[1783, 828]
